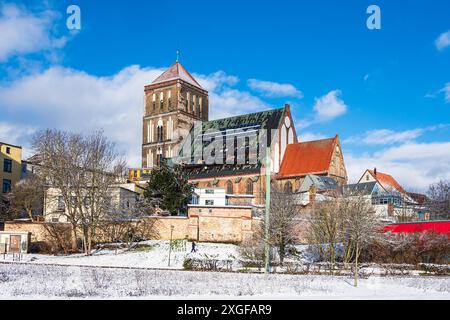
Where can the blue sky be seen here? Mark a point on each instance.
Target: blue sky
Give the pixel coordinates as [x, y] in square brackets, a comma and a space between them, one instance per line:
[385, 92]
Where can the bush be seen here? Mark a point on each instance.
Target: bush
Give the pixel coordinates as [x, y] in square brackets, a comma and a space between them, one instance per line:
[413, 248]
[437, 269]
[207, 264]
[40, 247]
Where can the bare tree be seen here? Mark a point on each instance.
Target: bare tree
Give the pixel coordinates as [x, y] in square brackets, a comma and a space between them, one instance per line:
[82, 170]
[27, 197]
[6, 214]
[325, 229]
[438, 200]
[130, 225]
[360, 225]
[283, 221]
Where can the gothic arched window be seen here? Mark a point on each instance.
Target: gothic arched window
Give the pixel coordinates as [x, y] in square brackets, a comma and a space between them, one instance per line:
[249, 187]
[288, 187]
[229, 187]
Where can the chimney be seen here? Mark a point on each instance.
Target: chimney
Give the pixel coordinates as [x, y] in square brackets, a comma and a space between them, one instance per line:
[375, 171]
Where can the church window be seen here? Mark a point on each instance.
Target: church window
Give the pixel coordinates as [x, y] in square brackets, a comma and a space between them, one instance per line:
[188, 101]
[160, 133]
[169, 97]
[161, 100]
[229, 187]
[288, 187]
[249, 187]
[154, 102]
[193, 104]
[159, 157]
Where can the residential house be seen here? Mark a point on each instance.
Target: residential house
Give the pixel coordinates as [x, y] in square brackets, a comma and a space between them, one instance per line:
[11, 168]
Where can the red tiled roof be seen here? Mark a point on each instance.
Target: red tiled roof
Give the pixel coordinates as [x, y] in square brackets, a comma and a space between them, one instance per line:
[312, 157]
[177, 71]
[387, 181]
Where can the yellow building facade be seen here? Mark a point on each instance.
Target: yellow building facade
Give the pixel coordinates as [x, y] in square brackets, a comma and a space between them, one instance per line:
[10, 166]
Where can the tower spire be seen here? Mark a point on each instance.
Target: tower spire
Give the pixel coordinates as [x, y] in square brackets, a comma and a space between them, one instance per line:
[178, 55]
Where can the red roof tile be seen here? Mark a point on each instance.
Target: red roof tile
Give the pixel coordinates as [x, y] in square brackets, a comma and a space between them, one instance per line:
[177, 71]
[387, 181]
[312, 157]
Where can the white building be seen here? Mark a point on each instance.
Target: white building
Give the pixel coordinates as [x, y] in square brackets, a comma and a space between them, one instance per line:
[55, 210]
[209, 197]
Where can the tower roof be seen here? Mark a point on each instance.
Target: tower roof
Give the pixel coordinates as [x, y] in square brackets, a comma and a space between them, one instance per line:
[177, 71]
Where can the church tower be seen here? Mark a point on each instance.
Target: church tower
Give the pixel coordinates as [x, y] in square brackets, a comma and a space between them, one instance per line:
[173, 102]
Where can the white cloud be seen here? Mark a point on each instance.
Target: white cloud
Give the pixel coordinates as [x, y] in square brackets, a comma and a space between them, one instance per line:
[329, 106]
[23, 32]
[443, 40]
[310, 136]
[75, 100]
[387, 136]
[274, 89]
[446, 91]
[414, 165]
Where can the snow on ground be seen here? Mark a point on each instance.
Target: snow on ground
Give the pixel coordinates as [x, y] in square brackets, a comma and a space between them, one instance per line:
[156, 256]
[35, 281]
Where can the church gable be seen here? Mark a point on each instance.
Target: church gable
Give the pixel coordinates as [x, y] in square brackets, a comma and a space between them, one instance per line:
[337, 165]
[320, 157]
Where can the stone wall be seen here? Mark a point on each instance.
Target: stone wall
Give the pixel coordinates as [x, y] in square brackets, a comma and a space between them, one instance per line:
[220, 224]
[231, 224]
[37, 229]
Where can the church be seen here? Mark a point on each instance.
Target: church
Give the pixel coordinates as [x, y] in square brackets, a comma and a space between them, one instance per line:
[229, 153]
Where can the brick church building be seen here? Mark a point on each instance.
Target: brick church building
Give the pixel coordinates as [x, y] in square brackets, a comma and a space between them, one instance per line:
[176, 118]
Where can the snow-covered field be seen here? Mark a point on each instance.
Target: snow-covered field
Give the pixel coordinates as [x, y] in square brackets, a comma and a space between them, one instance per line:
[156, 256]
[36, 281]
[108, 274]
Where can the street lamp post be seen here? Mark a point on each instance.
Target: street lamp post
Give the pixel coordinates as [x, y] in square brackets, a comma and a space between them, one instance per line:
[170, 245]
[266, 214]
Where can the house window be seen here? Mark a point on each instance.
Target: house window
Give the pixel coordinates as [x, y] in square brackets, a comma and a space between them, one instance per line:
[229, 187]
[154, 102]
[7, 165]
[61, 204]
[209, 202]
[249, 187]
[87, 202]
[367, 177]
[8, 150]
[209, 191]
[6, 186]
